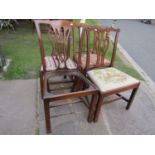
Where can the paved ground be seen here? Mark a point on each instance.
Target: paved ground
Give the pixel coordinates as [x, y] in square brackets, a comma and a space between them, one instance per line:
[139, 40]
[18, 107]
[114, 119]
[21, 113]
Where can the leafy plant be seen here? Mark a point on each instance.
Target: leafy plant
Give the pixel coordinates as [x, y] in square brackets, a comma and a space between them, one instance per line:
[8, 23]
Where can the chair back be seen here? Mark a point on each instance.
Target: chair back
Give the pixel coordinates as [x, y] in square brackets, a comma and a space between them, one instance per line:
[96, 40]
[58, 34]
[77, 32]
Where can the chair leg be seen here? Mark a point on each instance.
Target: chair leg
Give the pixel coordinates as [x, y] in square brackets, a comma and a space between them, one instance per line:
[74, 84]
[98, 107]
[41, 83]
[134, 91]
[78, 85]
[47, 117]
[92, 108]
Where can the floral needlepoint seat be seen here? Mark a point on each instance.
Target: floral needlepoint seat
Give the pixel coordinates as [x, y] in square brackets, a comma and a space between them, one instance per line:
[111, 81]
[110, 78]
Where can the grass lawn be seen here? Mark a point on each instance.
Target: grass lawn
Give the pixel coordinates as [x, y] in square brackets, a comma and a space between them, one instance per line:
[22, 48]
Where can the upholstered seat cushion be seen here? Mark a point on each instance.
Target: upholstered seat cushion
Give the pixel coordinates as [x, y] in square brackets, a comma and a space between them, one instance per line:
[52, 63]
[110, 78]
[93, 59]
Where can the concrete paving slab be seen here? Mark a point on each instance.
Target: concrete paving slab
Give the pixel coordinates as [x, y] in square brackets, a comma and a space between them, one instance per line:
[114, 119]
[73, 123]
[18, 113]
[17, 107]
[19, 104]
[138, 120]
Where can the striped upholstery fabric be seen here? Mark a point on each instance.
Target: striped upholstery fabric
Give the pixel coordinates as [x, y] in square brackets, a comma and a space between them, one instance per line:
[93, 59]
[52, 63]
[110, 78]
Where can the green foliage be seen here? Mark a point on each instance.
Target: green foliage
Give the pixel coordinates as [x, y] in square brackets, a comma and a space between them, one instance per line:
[8, 23]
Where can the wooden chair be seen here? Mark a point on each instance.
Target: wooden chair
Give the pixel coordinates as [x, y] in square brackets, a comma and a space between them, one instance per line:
[80, 55]
[54, 87]
[108, 80]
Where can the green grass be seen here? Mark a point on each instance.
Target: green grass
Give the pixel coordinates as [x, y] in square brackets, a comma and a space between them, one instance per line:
[92, 22]
[127, 69]
[37, 131]
[22, 48]
[88, 21]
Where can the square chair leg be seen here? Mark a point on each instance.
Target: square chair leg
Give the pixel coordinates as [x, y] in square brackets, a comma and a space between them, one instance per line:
[92, 108]
[100, 102]
[133, 94]
[47, 117]
[98, 107]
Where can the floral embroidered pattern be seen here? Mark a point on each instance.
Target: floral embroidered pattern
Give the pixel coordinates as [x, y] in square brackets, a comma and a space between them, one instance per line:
[110, 75]
[110, 78]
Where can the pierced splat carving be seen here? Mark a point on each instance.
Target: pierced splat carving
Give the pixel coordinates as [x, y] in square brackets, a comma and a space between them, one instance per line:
[101, 44]
[97, 46]
[59, 36]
